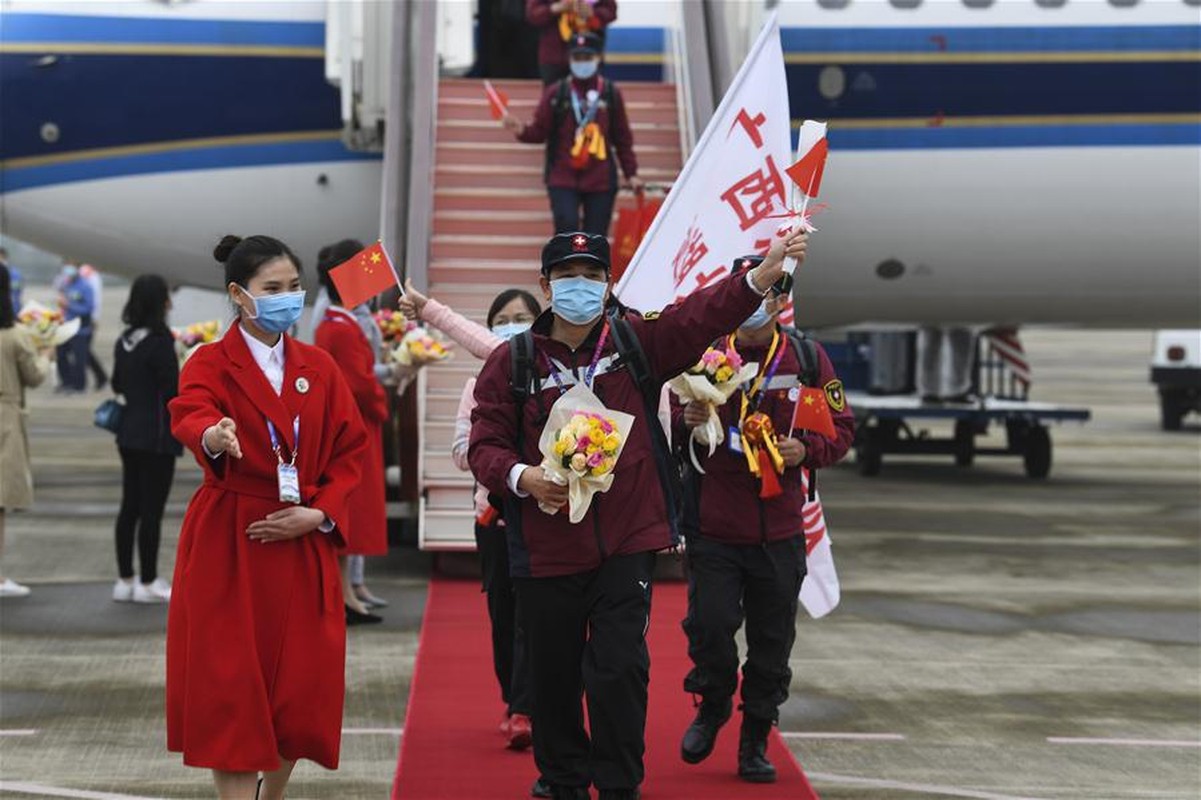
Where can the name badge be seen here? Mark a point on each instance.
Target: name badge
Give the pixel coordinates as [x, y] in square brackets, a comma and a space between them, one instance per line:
[734, 437]
[289, 483]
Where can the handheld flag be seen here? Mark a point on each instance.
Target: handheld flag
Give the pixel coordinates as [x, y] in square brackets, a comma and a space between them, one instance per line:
[497, 100]
[813, 413]
[812, 150]
[366, 274]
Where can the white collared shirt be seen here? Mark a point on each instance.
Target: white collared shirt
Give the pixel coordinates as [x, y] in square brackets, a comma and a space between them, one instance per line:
[269, 359]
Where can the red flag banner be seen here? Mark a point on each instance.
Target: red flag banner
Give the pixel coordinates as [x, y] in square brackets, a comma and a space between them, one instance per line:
[366, 274]
[807, 173]
[497, 100]
[813, 413]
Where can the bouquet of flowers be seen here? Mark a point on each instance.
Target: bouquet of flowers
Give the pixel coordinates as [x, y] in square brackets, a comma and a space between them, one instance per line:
[712, 381]
[46, 326]
[580, 446]
[392, 324]
[418, 348]
[195, 335]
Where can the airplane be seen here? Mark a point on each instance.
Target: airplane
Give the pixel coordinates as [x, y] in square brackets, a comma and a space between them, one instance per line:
[1007, 162]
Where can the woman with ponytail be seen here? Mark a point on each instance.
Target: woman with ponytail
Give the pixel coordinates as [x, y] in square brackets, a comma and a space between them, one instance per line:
[256, 636]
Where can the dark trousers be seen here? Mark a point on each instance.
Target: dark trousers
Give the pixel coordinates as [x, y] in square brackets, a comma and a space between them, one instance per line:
[587, 636]
[565, 205]
[98, 373]
[145, 483]
[72, 359]
[726, 582]
[509, 658]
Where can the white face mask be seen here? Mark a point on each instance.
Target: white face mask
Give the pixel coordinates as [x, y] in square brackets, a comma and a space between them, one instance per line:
[583, 70]
[507, 330]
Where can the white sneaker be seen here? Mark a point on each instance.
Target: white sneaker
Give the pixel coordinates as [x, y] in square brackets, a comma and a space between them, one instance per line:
[157, 592]
[123, 591]
[11, 588]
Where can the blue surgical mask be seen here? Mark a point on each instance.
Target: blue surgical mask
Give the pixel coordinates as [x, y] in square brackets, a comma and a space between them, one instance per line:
[757, 320]
[507, 330]
[275, 313]
[583, 70]
[577, 300]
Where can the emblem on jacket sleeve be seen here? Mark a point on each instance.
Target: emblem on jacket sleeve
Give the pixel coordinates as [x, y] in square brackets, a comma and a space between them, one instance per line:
[835, 395]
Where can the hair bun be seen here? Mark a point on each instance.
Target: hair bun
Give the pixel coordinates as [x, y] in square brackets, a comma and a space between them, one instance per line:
[226, 246]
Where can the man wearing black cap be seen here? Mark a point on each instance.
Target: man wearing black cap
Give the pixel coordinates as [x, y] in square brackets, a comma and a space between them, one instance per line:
[582, 120]
[746, 542]
[584, 588]
[558, 22]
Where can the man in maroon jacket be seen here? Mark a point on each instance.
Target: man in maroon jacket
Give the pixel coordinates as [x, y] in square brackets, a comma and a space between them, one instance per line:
[584, 589]
[746, 554]
[557, 22]
[582, 120]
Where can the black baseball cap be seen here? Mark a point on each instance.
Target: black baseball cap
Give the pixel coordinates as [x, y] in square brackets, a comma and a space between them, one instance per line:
[577, 246]
[586, 42]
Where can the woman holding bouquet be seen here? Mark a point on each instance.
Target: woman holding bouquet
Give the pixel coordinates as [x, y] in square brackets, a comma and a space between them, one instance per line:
[584, 588]
[340, 333]
[21, 366]
[256, 636]
[512, 312]
[746, 555]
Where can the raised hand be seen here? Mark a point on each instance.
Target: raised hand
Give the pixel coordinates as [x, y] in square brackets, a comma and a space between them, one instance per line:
[223, 438]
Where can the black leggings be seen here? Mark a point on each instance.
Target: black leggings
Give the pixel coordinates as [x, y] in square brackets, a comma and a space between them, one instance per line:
[145, 483]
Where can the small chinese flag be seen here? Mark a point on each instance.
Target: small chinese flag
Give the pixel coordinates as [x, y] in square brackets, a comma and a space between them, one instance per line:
[366, 274]
[807, 173]
[498, 100]
[813, 413]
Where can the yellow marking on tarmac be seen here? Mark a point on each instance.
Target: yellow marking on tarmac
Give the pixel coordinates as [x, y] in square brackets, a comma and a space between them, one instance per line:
[152, 49]
[950, 57]
[1015, 119]
[167, 147]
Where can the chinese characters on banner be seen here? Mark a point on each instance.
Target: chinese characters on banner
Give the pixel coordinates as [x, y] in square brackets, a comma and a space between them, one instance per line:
[731, 196]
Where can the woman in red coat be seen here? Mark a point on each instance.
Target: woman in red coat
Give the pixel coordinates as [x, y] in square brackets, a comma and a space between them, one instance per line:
[339, 334]
[256, 639]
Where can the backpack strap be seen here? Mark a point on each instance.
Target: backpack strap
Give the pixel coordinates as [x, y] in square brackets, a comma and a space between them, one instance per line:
[810, 374]
[632, 355]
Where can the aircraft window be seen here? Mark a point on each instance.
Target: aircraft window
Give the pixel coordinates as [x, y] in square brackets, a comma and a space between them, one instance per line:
[834, 5]
[1051, 3]
[1123, 3]
[977, 3]
[905, 3]
[1192, 2]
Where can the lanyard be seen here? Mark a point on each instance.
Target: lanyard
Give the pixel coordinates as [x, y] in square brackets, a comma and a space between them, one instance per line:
[752, 396]
[278, 448]
[582, 117]
[590, 373]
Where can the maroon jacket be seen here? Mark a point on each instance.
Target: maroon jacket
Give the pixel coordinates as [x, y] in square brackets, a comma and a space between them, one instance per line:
[552, 50]
[598, 176]
[632, 516]
[730, 508]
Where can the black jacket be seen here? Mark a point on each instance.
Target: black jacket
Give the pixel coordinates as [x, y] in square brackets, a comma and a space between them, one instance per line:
[146, 372]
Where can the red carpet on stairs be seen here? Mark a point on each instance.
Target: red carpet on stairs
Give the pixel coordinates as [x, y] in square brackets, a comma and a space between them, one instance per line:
[452, 748]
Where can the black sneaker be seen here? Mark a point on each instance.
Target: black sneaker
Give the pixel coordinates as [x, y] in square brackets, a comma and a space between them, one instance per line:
[753, 765]
[619, 794]
[702, 733]
[541, 789]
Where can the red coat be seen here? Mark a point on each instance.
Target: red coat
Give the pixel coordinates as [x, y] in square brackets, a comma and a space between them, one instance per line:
[256, 633]
[730, 508]
[339, 334]
[632, 516]
[552, 50]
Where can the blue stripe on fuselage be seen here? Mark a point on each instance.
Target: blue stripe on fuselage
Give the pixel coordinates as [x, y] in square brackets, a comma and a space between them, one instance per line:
[1121, 38]
[27, 28]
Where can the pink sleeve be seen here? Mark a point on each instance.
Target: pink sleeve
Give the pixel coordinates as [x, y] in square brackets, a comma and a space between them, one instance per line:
[458, 447]
[471, 336]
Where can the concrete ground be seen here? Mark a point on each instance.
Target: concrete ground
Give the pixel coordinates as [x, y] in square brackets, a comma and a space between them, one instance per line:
[998, 637]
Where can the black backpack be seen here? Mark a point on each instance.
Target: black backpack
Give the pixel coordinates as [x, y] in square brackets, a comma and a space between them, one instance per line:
[524, 382]
[560, 107]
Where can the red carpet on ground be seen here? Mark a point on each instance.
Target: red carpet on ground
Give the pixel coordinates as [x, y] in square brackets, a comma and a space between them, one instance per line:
[452, 748]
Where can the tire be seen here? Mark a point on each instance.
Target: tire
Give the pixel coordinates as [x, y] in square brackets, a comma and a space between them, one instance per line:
[1172, 408]
[965, 443]
[1037, 455]
[869, 455]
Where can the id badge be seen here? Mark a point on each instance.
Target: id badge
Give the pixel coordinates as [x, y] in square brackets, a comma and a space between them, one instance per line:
[289, 484]
[734, 437]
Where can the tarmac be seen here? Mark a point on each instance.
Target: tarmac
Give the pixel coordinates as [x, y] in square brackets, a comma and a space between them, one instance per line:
[998, 637]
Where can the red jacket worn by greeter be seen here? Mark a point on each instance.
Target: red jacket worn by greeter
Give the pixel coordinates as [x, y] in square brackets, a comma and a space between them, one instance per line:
[256, 632]
[598, 175]
[730, 509]
[632, 516]
[339, 335]
[552, 47]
